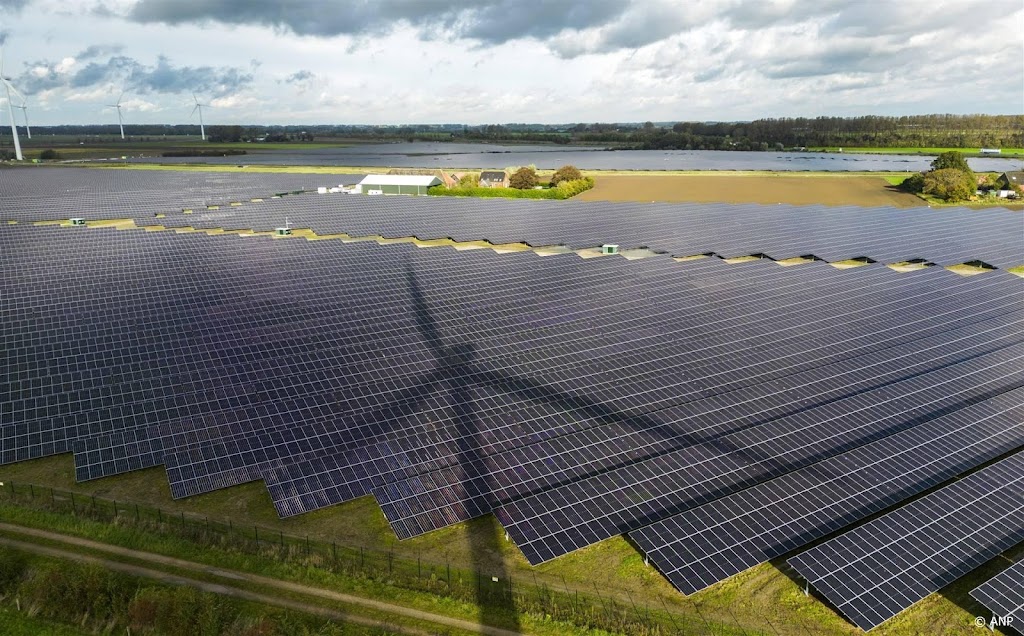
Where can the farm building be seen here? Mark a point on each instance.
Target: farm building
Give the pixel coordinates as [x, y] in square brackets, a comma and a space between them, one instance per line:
[398, 183]
[449, 180]
[1007, 180]
[493, 179]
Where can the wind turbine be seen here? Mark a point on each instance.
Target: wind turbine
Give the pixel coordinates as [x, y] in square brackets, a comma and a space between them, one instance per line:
[10, 110]
[199, 107]
[120, 122]
[24, 112]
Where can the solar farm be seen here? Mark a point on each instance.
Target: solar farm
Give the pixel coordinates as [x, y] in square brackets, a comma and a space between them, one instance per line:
[863, 424]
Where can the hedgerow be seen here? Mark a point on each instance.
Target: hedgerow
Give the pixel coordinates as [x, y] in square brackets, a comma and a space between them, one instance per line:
[564, 190]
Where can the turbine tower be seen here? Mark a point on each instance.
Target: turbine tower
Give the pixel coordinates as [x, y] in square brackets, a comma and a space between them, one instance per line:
[24, 112]
[199, 107]
[10, 110]
[120, 122]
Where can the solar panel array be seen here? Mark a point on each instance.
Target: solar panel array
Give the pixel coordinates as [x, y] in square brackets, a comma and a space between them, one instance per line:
[719, 415]
[879, 569]
[713, 542]
[942, 236]
[56, 193]
[1003, 595]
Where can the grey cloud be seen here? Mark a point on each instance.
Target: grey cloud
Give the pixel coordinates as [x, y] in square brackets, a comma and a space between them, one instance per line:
[137, 77]
[3, 36]
[298, 77]
[12, 5]
[488, 21]
[98, 50]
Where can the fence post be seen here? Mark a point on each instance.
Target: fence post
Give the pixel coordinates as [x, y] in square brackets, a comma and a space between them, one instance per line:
[32, 492]
[160, 515]
[115, 508]
[419, 569]
[74, 508]
[362, 560]
[448, 575]
[136, 513]
[53, 499]
[334, 552]
[257, 531]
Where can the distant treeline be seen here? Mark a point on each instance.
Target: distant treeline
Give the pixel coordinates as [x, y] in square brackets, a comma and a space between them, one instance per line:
[921, 131]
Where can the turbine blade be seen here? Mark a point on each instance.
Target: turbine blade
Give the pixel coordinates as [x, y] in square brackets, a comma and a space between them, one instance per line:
[194, 109]
[120, 98]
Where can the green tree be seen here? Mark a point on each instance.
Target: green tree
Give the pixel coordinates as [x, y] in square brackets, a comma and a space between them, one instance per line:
[524, 179]
[951, 160]
[565, 173]
[469, 180]
[950, 184]
[914, 183]
[49, 155]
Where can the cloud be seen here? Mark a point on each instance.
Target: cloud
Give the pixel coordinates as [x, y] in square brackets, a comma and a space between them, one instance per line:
[99, 50]
[3, 36]
[487, 21]
[299, 77]
[12, 5]
[133, 76]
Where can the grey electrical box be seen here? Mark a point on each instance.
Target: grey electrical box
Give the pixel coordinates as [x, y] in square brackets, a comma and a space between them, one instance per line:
[609, 248]
[77, 221]
[283, 231]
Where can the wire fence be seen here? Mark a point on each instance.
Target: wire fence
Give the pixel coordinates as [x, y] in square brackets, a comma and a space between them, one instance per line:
[498, 596]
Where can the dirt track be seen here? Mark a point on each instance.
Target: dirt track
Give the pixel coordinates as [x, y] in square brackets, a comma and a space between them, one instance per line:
[769, 189]
[229, 590]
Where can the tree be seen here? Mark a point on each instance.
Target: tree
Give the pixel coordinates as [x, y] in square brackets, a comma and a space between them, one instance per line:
[524, 179]
[49, 155]
[565, 173]
[951, 160]
[914, 183]
[950, 184]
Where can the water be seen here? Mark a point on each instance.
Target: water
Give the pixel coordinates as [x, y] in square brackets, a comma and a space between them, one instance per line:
[451, 156]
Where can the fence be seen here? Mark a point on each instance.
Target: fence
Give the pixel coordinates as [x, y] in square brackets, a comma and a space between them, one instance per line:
[494, 595]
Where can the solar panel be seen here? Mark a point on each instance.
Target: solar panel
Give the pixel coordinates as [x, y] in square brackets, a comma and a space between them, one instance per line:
[879, 569]
[708, 544]
[571, 516]
[1003, 595]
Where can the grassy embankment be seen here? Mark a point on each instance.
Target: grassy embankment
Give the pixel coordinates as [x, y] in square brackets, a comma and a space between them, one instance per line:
[970, 152]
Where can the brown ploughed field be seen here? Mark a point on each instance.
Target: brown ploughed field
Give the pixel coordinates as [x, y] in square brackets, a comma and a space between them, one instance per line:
[868, 191]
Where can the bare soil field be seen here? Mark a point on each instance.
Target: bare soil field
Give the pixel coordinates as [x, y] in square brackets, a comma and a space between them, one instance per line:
[770, 189]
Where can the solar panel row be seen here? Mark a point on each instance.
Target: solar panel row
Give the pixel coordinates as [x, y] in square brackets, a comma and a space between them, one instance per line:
[56, 193]
[1003, 595]
[879, 569]
[945, 237]
[717, 540]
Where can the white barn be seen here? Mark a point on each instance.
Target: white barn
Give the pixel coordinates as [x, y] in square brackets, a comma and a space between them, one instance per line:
[398, 183]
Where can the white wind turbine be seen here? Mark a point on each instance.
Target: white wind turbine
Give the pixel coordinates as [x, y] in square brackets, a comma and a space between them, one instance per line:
[10, 109]
[120, 122]
[199, 107]
[24, 113]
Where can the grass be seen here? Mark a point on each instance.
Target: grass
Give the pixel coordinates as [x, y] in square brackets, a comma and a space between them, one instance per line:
[611, 568]
[15, 623]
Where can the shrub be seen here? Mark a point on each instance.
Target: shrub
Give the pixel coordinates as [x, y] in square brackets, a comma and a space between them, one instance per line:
[49, 155]
[469, 180]
[950, 184]
[523, 179]
[914, 183]
[565, 173]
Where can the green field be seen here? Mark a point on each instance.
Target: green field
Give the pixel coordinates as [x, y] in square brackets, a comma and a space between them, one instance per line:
[613, 569]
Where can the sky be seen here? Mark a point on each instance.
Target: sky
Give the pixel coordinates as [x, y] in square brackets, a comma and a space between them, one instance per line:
[505, 61]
